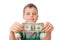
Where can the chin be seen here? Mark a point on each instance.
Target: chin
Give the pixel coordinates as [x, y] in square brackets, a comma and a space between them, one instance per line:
[31, 21]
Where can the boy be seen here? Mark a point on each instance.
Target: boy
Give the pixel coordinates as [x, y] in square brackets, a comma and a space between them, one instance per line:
[30, 14]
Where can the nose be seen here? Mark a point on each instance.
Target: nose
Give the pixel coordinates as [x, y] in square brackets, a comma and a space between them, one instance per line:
[31, 15]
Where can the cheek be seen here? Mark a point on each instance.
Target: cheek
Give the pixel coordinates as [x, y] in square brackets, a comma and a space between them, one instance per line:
[35, 17]
[26, 17]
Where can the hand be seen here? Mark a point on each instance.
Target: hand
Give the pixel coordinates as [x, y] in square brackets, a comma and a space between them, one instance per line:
[48, 27]
[16, 27]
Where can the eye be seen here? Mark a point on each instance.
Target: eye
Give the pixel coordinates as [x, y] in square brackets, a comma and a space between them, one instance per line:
[34, 13]
[28, 13]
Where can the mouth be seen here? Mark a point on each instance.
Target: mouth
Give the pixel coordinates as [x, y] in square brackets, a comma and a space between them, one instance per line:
[31, 19]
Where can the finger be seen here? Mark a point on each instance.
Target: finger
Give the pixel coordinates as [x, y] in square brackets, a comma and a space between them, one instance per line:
[50, 26]
[22, 29]
[22, 25]
[14, 30]
[15, 27]
[16, 23]
[19, 28]
[47, 23]
[46, 28]
[50, 30]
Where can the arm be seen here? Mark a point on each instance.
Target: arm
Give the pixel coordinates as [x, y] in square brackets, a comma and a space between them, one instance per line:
[48, 36]
[12, 36]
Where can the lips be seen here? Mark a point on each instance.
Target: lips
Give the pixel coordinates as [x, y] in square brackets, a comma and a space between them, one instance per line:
[31, 19]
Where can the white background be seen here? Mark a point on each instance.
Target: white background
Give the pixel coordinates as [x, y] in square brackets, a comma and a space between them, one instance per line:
[12, 11]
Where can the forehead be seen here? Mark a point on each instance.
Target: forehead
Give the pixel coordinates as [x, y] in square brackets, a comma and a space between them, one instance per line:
[30, 9]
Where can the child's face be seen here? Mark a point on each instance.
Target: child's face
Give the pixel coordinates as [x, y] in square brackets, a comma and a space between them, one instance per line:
[30, 15]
